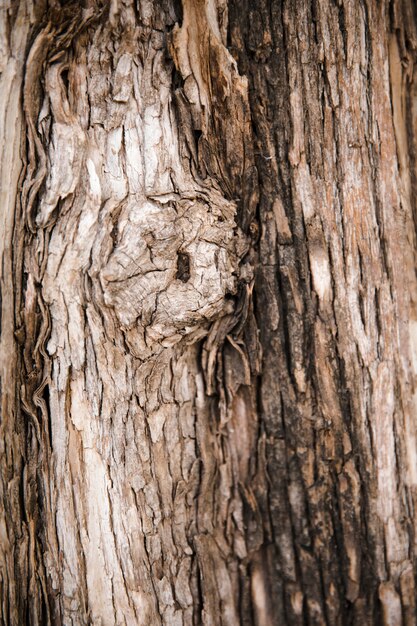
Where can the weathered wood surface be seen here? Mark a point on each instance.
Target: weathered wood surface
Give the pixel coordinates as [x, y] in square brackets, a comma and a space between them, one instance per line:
[336, 300]
[208, 341]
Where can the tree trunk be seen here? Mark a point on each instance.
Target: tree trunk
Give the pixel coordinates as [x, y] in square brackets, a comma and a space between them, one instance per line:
[209, 312]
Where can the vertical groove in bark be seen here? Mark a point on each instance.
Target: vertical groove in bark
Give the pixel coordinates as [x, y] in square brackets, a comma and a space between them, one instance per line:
[335, 291]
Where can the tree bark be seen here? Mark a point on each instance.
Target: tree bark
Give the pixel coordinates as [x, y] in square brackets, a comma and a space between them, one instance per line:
[209, 326]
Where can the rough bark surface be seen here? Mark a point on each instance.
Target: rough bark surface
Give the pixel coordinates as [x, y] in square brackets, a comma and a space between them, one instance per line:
[336, 299]
[209, 324]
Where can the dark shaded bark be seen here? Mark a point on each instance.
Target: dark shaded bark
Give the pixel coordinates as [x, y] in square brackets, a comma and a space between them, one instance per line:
[330, 192]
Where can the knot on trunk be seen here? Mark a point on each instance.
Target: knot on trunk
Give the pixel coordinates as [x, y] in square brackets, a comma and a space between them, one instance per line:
[171, 265]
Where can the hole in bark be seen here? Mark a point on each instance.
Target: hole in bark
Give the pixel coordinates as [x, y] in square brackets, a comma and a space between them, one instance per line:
[25, 279]
[65, 80]
[178, 11]
[46, 398]
[342, 26]
[114, 234]
[197, 135]
[183, 267]
[177, 79]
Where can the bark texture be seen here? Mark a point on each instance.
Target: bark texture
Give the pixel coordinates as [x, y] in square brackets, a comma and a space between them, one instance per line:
[336, 300]
[209, 326]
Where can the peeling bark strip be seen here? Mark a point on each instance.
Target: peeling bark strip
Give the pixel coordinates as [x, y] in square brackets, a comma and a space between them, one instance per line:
[190, 193]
